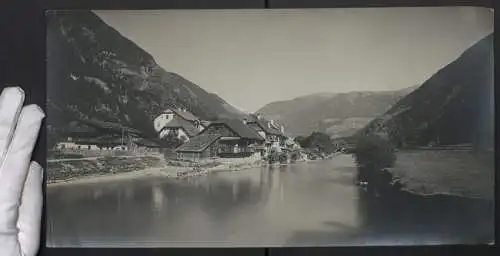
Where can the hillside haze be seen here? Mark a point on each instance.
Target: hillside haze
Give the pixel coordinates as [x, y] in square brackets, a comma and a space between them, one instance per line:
[454, 106]
[99, 79]
[336, 114]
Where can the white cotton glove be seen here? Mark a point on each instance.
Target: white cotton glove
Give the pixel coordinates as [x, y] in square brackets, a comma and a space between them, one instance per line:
[20, 180]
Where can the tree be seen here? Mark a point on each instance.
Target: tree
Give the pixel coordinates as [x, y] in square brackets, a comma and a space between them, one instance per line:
[301, 140]
[321, 142]
[374, 153]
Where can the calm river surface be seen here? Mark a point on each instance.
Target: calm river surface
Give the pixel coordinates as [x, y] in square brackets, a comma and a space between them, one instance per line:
[311, 203]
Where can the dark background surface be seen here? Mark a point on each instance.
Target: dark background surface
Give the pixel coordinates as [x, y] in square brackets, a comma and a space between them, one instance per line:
[22, 63]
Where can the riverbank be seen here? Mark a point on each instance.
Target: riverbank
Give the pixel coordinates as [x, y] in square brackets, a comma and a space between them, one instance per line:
[68, 171]
[461, 173]
[133, 175]
[110, 169]
[113, 169]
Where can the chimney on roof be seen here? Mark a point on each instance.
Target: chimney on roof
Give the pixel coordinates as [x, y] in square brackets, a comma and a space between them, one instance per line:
[282, 129]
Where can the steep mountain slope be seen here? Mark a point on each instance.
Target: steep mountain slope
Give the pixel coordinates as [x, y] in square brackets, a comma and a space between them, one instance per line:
[454, 106]
[99, 79]
[337, 115]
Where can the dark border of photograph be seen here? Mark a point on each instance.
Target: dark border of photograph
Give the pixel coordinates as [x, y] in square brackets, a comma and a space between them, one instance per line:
[22, 62]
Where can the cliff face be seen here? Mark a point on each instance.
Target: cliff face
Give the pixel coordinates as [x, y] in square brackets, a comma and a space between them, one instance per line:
[100, 80]
[454, 106]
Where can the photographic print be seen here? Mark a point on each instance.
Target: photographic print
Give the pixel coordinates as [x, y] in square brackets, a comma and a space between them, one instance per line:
[270, 128]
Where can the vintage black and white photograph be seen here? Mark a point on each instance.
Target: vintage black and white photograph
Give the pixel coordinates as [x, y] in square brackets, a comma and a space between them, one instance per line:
[270, 128]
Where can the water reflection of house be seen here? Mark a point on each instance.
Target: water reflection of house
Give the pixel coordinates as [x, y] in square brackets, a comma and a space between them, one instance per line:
[179, 121]
[157, 198]
[97, 193]
[129, 192]
[226, 138]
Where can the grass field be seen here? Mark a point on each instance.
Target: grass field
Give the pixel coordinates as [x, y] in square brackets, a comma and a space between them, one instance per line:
[456, 172]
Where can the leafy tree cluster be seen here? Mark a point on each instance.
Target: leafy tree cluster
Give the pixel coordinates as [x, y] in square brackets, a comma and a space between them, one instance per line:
[375, 151]
[317, 141]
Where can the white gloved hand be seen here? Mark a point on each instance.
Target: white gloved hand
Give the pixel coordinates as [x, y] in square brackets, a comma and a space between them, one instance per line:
[20, 180]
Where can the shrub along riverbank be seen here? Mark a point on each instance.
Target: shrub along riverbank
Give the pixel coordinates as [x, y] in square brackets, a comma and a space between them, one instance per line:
[423, 172]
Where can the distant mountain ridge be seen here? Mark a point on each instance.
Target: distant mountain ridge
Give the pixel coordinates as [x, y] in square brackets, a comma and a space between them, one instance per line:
[454, 106]
[336, 114]
[95, 74]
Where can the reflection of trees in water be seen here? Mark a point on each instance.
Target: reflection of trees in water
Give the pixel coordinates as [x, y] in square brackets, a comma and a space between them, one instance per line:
[367, 211]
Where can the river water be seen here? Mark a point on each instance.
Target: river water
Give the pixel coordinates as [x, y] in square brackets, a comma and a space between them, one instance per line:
[314, 203]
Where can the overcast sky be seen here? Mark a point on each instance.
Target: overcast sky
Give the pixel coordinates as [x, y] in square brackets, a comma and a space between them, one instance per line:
[253, 57]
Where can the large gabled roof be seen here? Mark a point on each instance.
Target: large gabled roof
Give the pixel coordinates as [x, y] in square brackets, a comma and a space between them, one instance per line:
[198, 143]
[205, 123]
[184, 114]
[264, 125]
[240, 128]
[255, 126]
[178, 122]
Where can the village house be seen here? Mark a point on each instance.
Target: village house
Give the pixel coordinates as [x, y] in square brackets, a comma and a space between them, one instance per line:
[87, 135]
[67, 145]
[180, 128]
[273, 133]
[179, 122]
[83, 144]
[226, 138]
[87, 138]
[291, 144]
[202, 146]
[86, 142]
